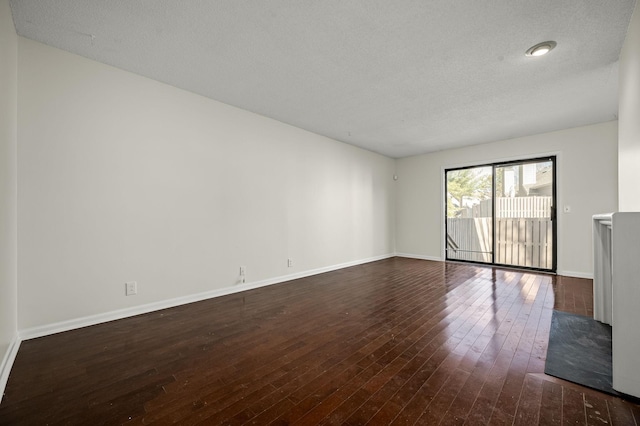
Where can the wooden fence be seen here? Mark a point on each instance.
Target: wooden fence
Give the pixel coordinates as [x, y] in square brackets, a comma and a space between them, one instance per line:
[512, 207]
[519, 241]
[523, 207]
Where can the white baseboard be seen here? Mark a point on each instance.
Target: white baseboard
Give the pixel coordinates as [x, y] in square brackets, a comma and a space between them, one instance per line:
[419, 256]
[438, 259]
[58, 327]
[575, 274]
[7, 363]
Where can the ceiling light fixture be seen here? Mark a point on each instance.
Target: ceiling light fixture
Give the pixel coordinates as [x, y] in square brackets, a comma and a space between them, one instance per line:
[541, 48]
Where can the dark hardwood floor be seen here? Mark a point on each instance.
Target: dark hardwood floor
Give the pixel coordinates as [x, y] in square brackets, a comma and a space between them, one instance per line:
[398, 341]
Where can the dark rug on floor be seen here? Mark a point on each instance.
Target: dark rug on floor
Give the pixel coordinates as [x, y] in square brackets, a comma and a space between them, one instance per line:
[580, 351]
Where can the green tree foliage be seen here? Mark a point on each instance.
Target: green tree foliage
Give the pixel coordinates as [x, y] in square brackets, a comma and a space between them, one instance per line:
[470, 184]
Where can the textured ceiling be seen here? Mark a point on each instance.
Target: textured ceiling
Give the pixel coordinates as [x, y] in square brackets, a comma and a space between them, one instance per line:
[399, 77]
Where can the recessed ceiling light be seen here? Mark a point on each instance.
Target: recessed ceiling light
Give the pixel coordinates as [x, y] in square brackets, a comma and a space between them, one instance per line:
[541, 48]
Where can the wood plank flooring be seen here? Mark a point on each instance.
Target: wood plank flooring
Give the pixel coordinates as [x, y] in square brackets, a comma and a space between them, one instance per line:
[397, 342]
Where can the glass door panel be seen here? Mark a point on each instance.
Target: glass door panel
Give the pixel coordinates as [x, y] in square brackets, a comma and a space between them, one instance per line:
[524, 214]
[469, 224]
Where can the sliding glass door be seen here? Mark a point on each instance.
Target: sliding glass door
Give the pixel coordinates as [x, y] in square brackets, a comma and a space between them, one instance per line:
[502, 214]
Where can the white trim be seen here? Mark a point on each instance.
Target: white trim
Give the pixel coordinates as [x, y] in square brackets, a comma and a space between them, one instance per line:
[419, 256]
[437, 259]
[45, 330]
[443, 213]
[575, 274]
[627, 385]
[7, 363]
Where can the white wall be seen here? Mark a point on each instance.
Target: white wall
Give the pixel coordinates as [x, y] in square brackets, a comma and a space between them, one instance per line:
[8, 184]
[123, 178]
[586, 181]
[629, 119]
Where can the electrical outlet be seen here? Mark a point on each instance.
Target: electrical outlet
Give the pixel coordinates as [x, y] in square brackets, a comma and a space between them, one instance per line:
[131, 288]
[289, 263]
[243, 272]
